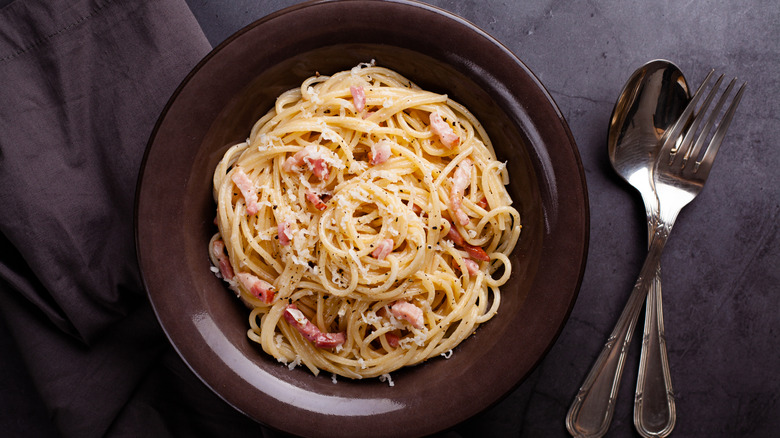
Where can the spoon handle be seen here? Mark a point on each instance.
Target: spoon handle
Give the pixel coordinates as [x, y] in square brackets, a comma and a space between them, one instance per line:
[591, 412]
[654, 408]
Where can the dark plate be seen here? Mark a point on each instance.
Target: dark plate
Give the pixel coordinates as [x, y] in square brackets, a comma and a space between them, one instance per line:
[217, 104]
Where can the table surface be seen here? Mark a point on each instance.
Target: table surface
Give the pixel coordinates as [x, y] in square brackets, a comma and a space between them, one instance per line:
[721, 279]
[720, 266]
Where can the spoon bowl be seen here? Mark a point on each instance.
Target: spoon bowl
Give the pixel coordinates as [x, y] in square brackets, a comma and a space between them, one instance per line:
[651, 101]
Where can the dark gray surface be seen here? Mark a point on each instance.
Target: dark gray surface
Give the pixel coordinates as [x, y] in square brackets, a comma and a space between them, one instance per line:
[720, 266]
[720, 272]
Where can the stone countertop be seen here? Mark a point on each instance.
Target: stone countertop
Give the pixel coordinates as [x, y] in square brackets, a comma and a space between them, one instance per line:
[720, 273]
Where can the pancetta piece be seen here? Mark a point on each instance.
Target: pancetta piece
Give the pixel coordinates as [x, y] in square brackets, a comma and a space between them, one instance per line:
[383, 248]
[358, 98]
[475, 252]
[461, 179]
[225, 268]
[259, 288]
[316, 200]
[312, 158]
[444, 131]
[408, 312]
[248, 190]
[297, 319]
[380, 152]
[285, 233]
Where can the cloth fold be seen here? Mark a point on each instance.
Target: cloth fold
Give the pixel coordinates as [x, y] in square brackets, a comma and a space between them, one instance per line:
[89, 79]
[83, 84]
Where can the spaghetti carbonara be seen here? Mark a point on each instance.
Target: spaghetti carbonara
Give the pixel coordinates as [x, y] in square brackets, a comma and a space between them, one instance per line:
[362, 222]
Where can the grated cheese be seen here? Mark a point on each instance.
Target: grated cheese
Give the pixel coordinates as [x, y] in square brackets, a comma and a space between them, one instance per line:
[356, 69]
[371, 317]
[387, 378]
[294, 363]
[297, 315]
[313, 96]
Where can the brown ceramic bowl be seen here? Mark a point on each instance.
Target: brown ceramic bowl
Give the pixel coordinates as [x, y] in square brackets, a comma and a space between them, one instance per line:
[238, 82]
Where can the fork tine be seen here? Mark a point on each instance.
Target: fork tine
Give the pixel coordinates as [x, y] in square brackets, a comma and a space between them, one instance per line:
[670, 144]
[705, 131]
[698, 117]
[709, 155]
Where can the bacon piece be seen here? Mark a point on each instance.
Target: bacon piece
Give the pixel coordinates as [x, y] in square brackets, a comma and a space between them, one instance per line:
[259, 288]
[313, 160]
[316, 200]
[297, 319]
[409, 312]
[444, 131]
[318, 166]
[471, 266]
[295, 161]
[285, 233]
[383, 248]
[380, 152]
[416, 209]
[225, 268]
[455, 236]
[461, 179]
[475, 252]
[483, 203]
[247, 188]
[358, 98]
[393, 339]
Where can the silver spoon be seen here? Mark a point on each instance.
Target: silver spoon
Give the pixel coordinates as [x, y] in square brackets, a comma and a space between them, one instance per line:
[660, 95]
[651, 101]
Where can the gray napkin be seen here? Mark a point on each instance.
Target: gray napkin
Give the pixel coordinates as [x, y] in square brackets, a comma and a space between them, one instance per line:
[82, 83]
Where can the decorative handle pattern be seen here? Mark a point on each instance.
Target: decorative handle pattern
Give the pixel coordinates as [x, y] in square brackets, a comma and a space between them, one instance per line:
[654, 408]
[594, 405]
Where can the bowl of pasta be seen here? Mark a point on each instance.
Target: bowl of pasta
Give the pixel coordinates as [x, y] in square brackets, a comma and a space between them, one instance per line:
[346, 225]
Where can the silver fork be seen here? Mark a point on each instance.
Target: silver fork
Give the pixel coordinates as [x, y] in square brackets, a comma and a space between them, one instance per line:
[679, 176]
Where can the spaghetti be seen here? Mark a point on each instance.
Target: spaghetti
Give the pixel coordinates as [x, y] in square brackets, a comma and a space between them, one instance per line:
[362, 221]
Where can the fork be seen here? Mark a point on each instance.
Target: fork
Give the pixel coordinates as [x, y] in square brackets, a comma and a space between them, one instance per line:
[679, 175]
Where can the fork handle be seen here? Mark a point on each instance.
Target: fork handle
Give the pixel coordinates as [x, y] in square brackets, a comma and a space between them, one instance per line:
[654, 407]
[591, 412]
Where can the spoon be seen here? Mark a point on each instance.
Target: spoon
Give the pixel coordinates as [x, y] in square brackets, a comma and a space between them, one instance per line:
[651, 101]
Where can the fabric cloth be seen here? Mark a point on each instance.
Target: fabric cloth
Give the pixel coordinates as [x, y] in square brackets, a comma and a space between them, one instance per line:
[83, 82]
